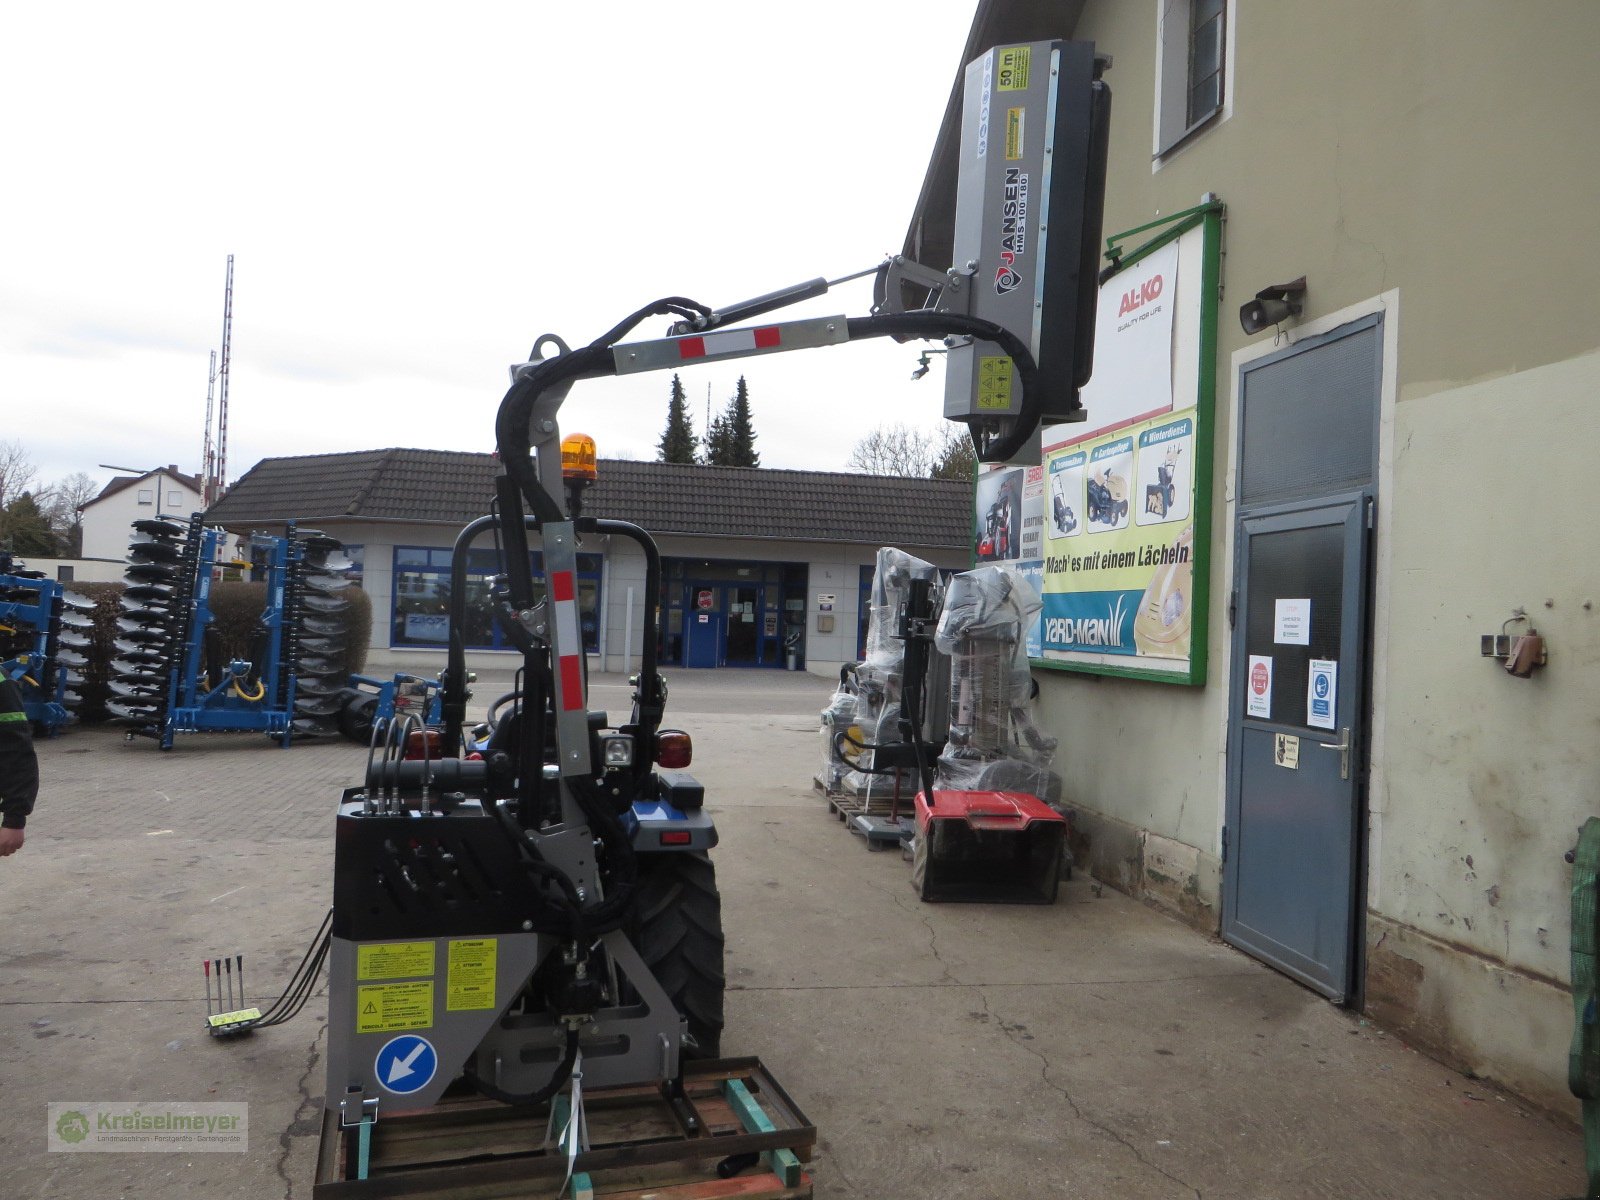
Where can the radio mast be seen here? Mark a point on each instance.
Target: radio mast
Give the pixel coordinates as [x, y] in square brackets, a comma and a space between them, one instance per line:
[219, 480]
[208, 450]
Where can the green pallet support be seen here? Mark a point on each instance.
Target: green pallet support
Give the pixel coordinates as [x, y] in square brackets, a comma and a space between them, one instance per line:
[753, 1117]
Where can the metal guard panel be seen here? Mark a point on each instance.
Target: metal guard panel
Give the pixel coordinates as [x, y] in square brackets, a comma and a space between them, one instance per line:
[407, 876]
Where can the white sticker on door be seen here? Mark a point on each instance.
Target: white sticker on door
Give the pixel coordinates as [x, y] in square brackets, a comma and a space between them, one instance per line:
[1258, 686]
[1291, 622]
[1286, 750]
[1322, 693]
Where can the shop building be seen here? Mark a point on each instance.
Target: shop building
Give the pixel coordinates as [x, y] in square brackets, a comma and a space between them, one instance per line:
[761, 568]
[1382, 466]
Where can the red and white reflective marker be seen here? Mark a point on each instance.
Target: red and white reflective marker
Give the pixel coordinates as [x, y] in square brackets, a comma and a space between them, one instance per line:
[735, 341]
[564, 592]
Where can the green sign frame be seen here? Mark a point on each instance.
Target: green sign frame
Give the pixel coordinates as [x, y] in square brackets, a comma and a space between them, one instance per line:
[1207, 217]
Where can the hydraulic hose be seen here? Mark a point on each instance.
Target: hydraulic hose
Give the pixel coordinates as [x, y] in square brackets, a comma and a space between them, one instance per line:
[558, 1081]
[575, 928]
[929, 324]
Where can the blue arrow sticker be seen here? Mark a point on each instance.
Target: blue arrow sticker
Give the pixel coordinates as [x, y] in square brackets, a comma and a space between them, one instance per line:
[406, 1064]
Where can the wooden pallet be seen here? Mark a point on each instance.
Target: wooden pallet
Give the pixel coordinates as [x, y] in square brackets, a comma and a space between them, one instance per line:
[640, 1145]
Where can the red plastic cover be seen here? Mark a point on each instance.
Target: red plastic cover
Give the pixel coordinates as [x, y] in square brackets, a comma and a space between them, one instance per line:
[985, 810]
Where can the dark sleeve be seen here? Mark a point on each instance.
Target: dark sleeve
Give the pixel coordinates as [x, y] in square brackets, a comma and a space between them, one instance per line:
[19, 768]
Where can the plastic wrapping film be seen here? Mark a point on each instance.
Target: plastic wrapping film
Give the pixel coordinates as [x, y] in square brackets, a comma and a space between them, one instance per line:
[866, 708]
[994, 743]
[838, 729]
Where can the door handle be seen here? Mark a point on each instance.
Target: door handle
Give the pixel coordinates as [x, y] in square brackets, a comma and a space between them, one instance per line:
[1343, 747]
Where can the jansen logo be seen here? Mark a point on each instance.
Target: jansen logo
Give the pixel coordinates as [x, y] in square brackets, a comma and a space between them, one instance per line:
[1013, 231]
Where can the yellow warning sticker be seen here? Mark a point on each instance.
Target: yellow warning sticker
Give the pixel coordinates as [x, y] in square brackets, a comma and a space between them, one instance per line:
[394, 960]
[235, 1017]
[1015, 62]
[1014, 133]
[382, 1007]
[994, 382]
[470, 982]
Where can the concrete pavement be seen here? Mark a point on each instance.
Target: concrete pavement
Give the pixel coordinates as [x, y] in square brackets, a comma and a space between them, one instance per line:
[1092, 1049]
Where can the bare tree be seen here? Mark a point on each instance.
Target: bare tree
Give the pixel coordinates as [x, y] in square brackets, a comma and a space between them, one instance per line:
[16, 470]
[62, 503]
[895, 450]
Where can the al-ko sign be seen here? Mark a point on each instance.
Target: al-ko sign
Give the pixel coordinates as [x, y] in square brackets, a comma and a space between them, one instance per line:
[1125, 517]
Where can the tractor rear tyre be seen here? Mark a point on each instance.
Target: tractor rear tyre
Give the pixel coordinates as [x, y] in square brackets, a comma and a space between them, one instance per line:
[356, 717]
[677, 929]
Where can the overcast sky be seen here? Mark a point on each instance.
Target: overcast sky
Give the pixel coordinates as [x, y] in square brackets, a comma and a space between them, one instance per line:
[413, 193]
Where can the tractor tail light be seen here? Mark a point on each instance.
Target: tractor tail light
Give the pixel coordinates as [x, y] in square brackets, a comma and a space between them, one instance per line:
[676, 837]
[424, 743]
[674, 749]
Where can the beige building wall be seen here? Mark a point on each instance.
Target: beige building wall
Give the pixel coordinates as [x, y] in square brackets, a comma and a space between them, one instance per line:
[1437, 161]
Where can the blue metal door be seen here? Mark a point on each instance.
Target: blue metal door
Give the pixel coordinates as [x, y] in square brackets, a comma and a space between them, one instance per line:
[704, 626]
[1293, 850]
[1293, 843]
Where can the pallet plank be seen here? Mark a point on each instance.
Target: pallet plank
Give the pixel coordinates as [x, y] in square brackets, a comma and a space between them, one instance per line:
[464, 1150]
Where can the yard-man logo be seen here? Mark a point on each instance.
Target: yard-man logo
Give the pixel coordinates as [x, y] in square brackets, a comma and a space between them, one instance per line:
[1104, 631]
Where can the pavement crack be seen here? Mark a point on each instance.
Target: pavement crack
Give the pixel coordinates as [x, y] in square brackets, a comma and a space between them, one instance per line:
[1045, 1066]
[922, 915]
[306, 1113]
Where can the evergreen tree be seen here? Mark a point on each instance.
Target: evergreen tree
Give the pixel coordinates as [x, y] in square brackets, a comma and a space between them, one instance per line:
[679, 443]
[955, 458]
[26, 529]
[731, 440]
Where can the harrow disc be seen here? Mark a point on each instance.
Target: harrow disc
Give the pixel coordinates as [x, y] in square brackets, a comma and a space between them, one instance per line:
[323, 604]
[149, 593]
[151, 572]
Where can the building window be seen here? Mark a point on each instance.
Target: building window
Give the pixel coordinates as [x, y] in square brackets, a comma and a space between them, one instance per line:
[147, 496]
[1192, 71]
[174, 500]
[64, 574]
[420, 615]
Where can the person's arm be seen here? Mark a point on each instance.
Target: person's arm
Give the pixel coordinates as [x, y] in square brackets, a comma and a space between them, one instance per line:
[19, 768]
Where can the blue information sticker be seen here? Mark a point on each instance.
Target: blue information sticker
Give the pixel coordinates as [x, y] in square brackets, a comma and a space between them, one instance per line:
[406, 1064]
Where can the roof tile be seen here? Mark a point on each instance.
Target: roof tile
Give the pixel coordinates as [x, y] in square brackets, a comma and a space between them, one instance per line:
[453, 487]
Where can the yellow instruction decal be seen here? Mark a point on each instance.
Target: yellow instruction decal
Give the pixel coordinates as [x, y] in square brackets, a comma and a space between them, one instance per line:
[470, 983]
[1014, 64]
[1014, 133]
[382, 1007]
[394, 960]
[994, 382]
